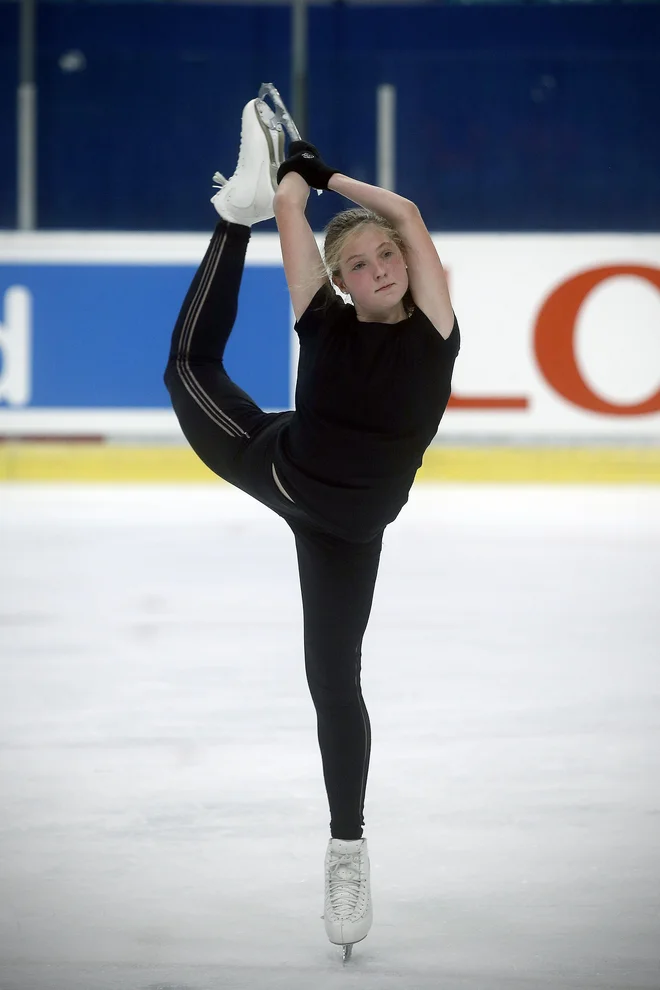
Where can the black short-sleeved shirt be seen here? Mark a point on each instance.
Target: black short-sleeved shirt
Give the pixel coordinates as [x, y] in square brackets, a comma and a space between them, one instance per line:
[369, 398]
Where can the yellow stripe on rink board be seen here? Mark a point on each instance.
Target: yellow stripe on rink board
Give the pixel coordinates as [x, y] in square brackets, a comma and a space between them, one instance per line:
[543, 465]
[80, 462]
[99, 462]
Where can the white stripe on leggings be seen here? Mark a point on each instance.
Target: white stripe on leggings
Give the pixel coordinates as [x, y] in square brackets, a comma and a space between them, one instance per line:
[279, 484]
[202, 398]
[366, 737]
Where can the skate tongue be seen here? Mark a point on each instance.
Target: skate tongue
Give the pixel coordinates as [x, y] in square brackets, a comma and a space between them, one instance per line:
[346, 845]
[345, 872]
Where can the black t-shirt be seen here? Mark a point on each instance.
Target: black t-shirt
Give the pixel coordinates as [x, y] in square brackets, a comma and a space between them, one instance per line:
[369, 398]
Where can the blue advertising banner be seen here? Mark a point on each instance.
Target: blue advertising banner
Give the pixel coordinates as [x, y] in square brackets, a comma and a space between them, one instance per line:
[97, 335]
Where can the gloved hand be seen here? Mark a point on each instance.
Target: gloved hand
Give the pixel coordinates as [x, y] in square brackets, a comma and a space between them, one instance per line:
[306, 160]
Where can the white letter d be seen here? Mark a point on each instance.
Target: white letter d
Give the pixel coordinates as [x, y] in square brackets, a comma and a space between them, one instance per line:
[16, 347]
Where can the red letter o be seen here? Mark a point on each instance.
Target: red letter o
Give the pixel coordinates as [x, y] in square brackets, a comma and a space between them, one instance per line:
[554, 340]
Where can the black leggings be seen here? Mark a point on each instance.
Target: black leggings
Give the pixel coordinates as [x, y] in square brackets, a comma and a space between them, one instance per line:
[236, 440]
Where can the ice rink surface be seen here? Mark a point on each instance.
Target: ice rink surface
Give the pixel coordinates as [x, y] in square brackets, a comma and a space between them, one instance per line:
[163, 820]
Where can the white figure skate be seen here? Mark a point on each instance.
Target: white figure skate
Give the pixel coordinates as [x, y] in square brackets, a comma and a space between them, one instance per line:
[348, 911]
[247, 197]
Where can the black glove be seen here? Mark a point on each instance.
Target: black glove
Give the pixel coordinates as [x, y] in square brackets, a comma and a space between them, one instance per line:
[305, 159]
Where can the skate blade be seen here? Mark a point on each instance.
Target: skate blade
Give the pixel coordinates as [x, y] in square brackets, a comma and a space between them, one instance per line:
[282, 115]
[347, 949]
[275, 142]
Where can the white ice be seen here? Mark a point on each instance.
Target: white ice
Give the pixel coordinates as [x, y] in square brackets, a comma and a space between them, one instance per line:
[163, 819]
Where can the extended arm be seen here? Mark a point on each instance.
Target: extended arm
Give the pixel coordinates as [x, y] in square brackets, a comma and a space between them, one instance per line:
[303, 265]
[388, 204]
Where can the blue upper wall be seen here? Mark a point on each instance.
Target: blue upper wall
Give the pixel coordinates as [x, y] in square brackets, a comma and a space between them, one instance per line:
[509, 117]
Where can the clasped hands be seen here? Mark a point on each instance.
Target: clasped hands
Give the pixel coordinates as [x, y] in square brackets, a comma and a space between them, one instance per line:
[306, 160]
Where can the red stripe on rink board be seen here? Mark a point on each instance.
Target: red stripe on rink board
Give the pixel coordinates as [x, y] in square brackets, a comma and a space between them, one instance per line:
[507, 402]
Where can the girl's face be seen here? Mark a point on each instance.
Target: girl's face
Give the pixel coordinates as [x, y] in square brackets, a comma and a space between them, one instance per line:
[373, 272]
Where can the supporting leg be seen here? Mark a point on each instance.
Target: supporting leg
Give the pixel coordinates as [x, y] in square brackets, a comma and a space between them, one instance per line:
[337, 583]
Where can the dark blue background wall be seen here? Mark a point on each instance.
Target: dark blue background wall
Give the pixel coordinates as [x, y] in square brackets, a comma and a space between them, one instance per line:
[509, 117]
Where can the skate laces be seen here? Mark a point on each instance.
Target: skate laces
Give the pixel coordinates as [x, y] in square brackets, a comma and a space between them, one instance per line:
[345, 881]
[219, 180]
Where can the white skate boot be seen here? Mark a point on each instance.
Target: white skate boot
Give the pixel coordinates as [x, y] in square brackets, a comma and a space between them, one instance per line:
[247, 197]
[348, 911]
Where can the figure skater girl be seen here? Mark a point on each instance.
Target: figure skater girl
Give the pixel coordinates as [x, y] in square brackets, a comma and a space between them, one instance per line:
[374, 379]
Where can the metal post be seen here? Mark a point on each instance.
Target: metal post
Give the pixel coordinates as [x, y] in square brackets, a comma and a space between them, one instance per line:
[27, 120]
[386, 136]
[299, 64]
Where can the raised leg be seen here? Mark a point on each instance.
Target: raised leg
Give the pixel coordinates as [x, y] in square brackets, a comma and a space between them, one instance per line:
[216, 415]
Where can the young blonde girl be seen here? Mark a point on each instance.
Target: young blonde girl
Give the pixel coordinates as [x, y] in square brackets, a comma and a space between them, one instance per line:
[374, 378]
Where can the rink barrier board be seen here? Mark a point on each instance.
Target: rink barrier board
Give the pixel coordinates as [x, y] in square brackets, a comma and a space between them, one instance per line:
[559, 335]
[106, 463]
